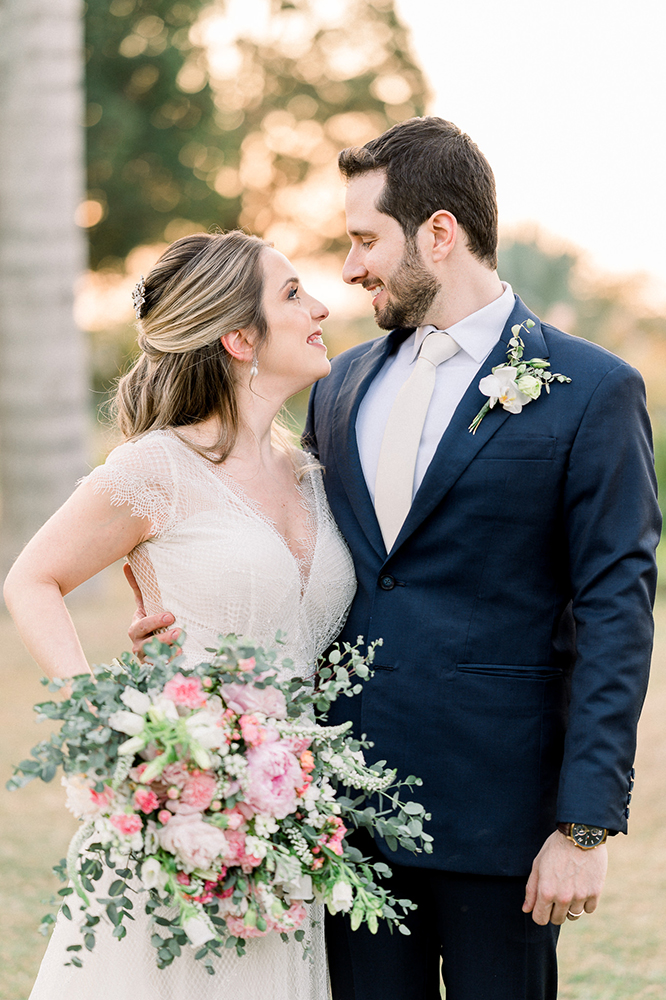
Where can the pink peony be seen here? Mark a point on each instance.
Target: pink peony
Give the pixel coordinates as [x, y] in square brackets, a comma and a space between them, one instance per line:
[175, 774]
[126, 823]
[246, 699]
[196, 844]
[187, 691]
[198, 792]
[273, 775]
[145, 800]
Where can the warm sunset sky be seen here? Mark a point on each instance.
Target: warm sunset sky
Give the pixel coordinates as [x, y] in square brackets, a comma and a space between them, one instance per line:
[568, 101]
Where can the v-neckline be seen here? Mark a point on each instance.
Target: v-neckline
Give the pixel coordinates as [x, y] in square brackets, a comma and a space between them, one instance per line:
[219, 475]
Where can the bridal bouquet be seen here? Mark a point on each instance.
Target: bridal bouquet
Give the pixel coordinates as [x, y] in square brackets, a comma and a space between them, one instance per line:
[212, 797]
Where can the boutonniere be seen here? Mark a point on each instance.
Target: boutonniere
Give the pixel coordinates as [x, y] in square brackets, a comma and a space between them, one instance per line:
[517, 383]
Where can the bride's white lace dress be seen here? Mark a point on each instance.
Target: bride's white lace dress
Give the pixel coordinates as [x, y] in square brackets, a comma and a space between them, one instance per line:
[220, 566]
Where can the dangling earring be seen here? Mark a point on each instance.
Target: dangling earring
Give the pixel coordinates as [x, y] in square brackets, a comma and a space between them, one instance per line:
[254, 370]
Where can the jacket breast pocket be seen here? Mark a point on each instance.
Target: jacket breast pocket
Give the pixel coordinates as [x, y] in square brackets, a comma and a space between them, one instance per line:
[528, 447]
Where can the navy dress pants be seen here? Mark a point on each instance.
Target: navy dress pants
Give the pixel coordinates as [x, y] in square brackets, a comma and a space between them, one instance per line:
[489, 949]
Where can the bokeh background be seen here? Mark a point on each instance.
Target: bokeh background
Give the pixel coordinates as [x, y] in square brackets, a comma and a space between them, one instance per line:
[125, 124]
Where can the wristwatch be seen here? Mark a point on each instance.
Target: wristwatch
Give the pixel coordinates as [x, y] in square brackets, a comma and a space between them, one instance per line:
[585, 837]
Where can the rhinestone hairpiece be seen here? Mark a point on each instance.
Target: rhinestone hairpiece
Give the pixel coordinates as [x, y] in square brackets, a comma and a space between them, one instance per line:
[139, 296]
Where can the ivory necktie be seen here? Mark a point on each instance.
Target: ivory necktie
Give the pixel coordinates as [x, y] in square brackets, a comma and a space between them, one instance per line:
[397, 456]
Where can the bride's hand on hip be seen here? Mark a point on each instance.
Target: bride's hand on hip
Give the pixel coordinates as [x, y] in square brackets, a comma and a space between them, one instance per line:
[144, 627]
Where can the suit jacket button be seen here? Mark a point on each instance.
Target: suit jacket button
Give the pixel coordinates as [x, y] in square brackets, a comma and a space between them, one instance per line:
[386, 582]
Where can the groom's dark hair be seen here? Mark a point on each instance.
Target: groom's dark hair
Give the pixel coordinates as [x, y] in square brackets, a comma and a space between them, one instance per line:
[431, 165]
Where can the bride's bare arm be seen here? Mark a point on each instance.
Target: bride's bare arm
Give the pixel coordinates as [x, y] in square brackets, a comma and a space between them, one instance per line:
[87, 534]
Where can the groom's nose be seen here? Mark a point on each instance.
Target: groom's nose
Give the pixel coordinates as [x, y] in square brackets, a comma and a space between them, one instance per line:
[353, 270]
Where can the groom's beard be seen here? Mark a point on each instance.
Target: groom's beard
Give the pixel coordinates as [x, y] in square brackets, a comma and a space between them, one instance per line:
[410, 291]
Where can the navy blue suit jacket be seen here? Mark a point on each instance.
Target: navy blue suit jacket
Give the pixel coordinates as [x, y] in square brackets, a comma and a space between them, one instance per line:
[515, 605]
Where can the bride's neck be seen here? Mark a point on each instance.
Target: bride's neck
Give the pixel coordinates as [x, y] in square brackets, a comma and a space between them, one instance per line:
[254, 442]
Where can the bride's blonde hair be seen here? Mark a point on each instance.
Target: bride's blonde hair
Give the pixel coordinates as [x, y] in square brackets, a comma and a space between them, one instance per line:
[202, 287]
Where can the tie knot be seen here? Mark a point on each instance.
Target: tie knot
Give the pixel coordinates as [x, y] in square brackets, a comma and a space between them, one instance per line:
[437, 347]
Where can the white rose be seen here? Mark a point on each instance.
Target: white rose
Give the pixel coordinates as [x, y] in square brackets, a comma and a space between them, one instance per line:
[300, 888]
[341, 898]
[136, 700]
[153, 875]
[198, 931]
[163, 708]
[127, 722]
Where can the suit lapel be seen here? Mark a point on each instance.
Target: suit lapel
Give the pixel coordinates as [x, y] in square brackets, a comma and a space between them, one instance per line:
[359, 375]
[458, 447]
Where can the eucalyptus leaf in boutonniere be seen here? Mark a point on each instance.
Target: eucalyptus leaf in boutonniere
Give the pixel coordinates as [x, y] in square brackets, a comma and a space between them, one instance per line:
[517, 383]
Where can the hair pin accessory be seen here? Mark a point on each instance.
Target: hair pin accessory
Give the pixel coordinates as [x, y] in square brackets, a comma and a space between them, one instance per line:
[139, 296]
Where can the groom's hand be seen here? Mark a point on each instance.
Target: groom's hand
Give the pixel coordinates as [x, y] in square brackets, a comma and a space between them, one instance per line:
[143, 627]
[564, 877]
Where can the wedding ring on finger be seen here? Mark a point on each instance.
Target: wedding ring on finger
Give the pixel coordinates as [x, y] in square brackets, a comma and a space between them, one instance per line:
[575, 916]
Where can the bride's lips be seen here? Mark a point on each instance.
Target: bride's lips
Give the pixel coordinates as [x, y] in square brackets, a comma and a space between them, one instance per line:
[315, 339]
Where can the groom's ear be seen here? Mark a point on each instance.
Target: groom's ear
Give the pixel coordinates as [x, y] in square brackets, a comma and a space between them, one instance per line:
[238, 344]
[441, 231]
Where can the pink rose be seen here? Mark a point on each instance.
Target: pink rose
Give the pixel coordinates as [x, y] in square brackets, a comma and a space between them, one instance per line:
[273, 775]
[238, 927]
[102, 799]
[127, 824]
[187, 691]
[164, 815]
[194, 843]
[198, 792]
[145, 800]
[234, 847]
[246, 699]
[234, 817]
[252, 731]
[248, 664]
[292, 918]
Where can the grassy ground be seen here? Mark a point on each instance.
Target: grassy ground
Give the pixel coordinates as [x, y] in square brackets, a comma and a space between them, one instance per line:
[618, 954]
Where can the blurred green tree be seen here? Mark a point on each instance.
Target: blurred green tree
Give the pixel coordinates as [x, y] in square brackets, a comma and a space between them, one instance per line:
[190, 126]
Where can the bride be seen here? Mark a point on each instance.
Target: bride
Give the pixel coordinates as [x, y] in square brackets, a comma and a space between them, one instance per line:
[224, 522]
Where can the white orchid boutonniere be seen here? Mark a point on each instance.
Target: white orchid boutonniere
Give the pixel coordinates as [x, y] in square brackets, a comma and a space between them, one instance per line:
[517, 383]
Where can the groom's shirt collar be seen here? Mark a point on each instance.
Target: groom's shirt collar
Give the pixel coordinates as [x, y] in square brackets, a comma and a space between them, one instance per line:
[477, 333]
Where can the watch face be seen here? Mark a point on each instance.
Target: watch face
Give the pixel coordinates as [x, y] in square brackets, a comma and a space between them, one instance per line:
[587, 836]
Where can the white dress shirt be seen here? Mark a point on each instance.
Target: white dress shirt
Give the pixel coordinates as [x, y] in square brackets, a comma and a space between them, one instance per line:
[477, 334]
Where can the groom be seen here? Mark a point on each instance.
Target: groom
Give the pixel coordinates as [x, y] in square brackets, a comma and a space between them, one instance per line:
[509, 572]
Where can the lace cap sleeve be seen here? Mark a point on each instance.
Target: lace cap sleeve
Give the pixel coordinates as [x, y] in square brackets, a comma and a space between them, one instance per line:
[142, 474]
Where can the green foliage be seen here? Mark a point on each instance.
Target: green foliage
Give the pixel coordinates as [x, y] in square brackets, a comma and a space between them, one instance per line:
[542, 278]
[150, 120]
[172, 148]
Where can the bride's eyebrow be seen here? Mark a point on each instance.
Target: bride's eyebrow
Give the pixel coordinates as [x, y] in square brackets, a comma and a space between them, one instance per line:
[289, 281]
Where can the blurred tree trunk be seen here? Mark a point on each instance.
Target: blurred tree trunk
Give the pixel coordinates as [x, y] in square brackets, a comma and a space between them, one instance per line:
[43, 420]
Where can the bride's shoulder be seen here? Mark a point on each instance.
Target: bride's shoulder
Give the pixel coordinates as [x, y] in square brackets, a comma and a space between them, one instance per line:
[156, 450]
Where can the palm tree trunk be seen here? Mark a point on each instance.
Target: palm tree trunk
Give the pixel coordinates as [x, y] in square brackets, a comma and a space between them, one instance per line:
[43, 370]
